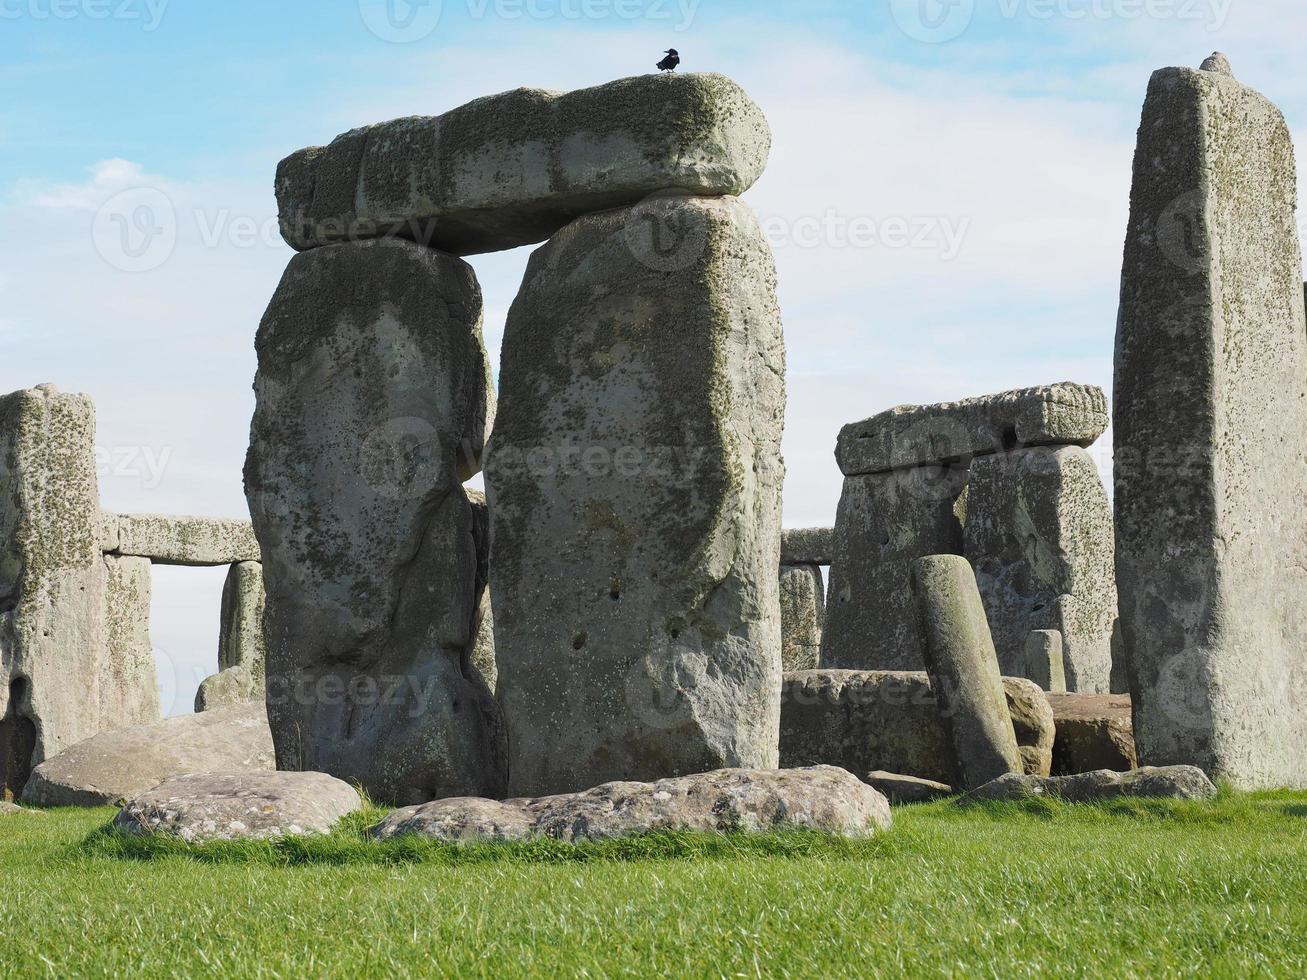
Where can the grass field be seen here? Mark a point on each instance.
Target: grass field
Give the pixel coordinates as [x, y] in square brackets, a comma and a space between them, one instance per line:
[1139, 889]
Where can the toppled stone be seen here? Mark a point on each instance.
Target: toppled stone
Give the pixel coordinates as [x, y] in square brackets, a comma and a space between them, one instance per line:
[634, 481]
[807, 546]
[1033, 724]
[929, 435]
[514, 168]
[1209, 422]
[1044, 663]
[242, 649]
[114, 765]
[372, 400]
[1094, 731]
[191, 541]
[209, 806]
[1162, 782]
[803, 608]
[818, 798]
[900, 789]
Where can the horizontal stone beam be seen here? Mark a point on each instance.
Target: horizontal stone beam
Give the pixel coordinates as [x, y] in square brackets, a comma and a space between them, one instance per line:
[807, 546]
[923, 435]
[191, 541]
[514, 168]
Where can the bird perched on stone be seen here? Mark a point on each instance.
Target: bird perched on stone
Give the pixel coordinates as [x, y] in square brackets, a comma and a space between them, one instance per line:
[670, 62]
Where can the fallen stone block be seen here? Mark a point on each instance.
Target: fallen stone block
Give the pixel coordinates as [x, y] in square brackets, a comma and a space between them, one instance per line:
[121, 764]
[819, 798]
[213, 806]
[899, 789]
[807, 546]
[1094, 731]
[514, 168]
[190, 541]
[954, 432]
[1032, 722]
[1158, 782]
[803, 608]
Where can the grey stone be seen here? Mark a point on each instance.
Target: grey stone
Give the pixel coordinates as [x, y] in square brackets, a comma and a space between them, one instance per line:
[634, 483]
[1120, 679]
[372, 400]
[482, 660]
[954, 432]
[1209, 423]
[1039, 535]
[129, 687]
[900, 789]
[863, 720]
[514, 168]
[885, 522]
[807, 546]
[803, 607]
[963, 669]
[1094, 731]
[235, 685]
[190, 541]
[8, 809]
[1044, 660]
[242, 649]
[1160, 782]
[819, 798]
[212, 806]
[124, 763]
[1217, 62]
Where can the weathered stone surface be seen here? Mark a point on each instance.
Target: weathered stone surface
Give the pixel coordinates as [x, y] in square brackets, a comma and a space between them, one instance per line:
[884, 523]
[1165, 782]
[514, 168]
[168, 540]
[209, 806]
[1210, 419]
[1120, 680]
[818, 798]
[900, 789]
[242, 649]
[954, 432]
[1039, 535]
[125, 763]
[803, 607]
[129, 684]
[482, 660]
[1094, 731]
[372, 398]
[235, 685]
[864, 720]
[7, 808]
[963, 669]
[807, 546]
[634, 484]
[1217, 62]
[1044, 663]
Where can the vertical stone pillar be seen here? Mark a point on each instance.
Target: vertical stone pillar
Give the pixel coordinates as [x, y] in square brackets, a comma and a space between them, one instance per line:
[129, 689]
[242, 649]
[1044, 660]
[802, 611]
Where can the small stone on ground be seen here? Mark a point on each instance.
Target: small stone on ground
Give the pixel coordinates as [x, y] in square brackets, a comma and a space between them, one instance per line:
[1161, 782]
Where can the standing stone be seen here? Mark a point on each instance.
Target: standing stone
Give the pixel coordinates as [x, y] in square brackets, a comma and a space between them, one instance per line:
[1044, 664]
[634, 483]
[482, 660]
[802, 611]
[372, 399]
[1120, 682]
[129, 692]
[963, 669]
[1039, 535]
[242, 650]
[885, 522]
[1210, 423]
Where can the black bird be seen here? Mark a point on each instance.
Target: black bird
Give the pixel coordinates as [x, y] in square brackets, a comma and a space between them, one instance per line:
[670, 62]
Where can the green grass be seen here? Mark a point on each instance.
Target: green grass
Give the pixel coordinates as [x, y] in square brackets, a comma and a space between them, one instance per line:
[1000, 890]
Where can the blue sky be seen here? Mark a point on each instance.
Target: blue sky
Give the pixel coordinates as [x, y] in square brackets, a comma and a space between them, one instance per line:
[946, 195]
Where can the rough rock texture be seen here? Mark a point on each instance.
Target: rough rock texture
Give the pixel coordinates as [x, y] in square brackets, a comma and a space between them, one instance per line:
[7, 808]
[129, 689]
[634, 483]
[372, 399]
[114, 765]
[1217, 62]
[1120, 681]
[807, 546]
[818, 798]
[235, 685]
[899, 789]
[927, 435]
[884, 523]
[963, 670]
[1039, 535]
[514, 168]
[1094, 731]
[209, 806]
[242, 649]
[1167, 782]
[482, 659]
[192, 541]
[57, 672]
[803, 608]
[1210, 419]
[1043, 661]
[864, 720]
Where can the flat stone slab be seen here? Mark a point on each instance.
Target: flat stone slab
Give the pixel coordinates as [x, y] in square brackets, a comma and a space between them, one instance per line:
[899, 789]
[818, 798]
[209, 806]
[514, 168]
[1161, 782]
[922, 435]
[191, 541]
[808, 546]
[8, 809]
[115, 765]
[1094, 731]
